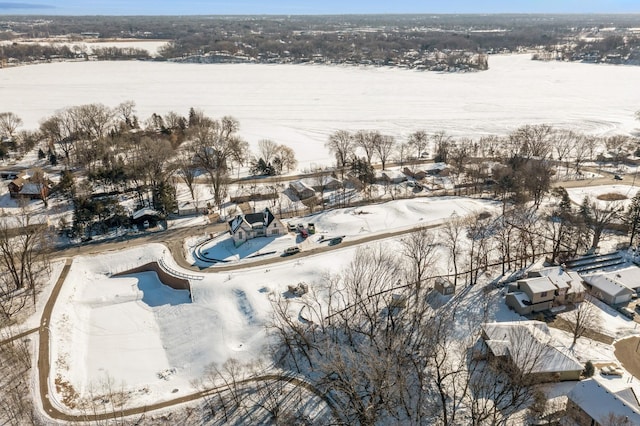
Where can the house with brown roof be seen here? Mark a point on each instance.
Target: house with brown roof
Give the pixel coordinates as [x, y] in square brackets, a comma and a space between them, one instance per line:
[24, 187]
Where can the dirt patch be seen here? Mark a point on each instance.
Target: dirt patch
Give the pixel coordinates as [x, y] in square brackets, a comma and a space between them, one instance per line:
[66, 390]
[612, 196]
[628, 353]
[562, 324]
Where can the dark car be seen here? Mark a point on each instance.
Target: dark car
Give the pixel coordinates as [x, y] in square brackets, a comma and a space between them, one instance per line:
[335, 241]
[617, 177]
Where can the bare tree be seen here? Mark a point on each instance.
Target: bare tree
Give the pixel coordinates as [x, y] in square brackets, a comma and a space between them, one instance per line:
[267, 150]
[418, 140]
[215, 144]
[591, 143]
[126, 112]
[24, 260]
[341, 144]
[419, 249]
[384, 147]
[286, 157]
[597, 218]
[533, 141]
[454, 233]
[564, 142]
[367, 141]
[187, 172]
[582, 318]
[9, 122]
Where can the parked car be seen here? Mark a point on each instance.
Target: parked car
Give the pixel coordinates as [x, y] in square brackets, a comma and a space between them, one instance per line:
[312, 228]
[617, 177]
[300, 227]
[304, 233]
[335, 241]
[626, 312]
[291, 250]
[291, 227]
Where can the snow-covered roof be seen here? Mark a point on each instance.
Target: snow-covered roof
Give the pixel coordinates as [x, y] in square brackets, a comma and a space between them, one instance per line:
[521, 298]
[593, 397]
[539, 284]
[146, 211]
[606, 284]
[628, 277]
[31, 189]
[529, 344]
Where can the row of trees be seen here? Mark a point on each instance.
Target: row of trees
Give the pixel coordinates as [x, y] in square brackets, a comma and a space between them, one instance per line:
[117, 154]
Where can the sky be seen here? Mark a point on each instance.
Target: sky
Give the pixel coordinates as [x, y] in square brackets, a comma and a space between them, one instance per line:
[310, 7]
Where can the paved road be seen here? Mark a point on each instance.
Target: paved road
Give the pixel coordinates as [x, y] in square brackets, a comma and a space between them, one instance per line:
[173, 238]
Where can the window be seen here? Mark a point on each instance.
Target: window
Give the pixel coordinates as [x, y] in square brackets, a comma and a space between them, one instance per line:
[543, 294]
[240, 235]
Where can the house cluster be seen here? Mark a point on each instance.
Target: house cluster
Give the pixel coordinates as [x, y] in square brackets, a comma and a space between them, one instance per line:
[545, 288]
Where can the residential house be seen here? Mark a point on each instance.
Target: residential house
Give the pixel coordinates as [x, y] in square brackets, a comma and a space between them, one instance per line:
[390, 176]
[597, 402]
[569, 285]
[529, 347]
[248, 226]
[544, 288]
[302, 190]
[532, 295]
[323, 183]
[24, 187]
[444, 286]
[608, 288]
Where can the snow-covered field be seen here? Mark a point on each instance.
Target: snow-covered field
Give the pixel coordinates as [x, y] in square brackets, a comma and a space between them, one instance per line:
[300, 105]
[151, 340]
[577, 194]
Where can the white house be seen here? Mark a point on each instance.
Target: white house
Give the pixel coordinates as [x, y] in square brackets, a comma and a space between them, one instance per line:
[253, 225]
[595, 402]
[528, 345]
[608, 288]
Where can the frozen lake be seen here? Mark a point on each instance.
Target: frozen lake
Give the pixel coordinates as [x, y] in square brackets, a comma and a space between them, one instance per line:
[300, 105]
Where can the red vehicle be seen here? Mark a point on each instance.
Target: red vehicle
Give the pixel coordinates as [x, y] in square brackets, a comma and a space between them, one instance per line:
[304, 233]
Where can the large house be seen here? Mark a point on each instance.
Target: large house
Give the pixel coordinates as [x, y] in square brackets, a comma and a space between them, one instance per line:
[246, 227]
[545, 288]
[615, 286]
[597, 401]
[529, 347]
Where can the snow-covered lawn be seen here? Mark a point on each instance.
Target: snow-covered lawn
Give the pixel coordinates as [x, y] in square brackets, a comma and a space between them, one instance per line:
[577, 194]
[352, 223]
[300, 105]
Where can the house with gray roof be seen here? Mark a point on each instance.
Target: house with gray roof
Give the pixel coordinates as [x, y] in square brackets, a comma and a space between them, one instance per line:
[529, 347]
[595, 402]
[608, 287]
[245, 227]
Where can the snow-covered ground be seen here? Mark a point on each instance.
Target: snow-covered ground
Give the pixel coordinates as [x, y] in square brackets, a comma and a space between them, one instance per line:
[577, 194]
[300, 105]
[352, 223]
[151, 340]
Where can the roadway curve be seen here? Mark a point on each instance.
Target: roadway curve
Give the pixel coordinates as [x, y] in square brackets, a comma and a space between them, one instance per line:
[173, 239]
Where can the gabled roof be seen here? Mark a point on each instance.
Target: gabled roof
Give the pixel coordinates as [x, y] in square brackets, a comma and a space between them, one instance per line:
[31, 189]
[539, 284]
[146, 211]
[606, 284]
[593, 397]
[529, 345]
[263, 218]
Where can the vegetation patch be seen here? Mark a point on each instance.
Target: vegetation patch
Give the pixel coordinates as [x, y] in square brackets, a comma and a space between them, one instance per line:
[612, 196]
